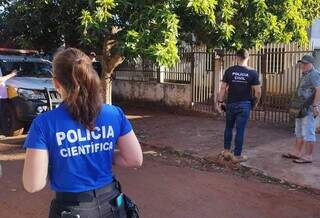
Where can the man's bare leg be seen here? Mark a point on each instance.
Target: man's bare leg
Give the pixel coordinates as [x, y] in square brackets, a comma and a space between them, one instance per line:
[297, 149]
[309, 151]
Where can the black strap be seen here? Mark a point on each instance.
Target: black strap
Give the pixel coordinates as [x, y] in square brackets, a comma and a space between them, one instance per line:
[87, 196]
[117, 183]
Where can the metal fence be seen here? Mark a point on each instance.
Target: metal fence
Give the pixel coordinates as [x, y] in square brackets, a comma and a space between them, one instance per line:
[279, 75]
[203, 80]
[144, 70]
[275, 63]
[141, 70]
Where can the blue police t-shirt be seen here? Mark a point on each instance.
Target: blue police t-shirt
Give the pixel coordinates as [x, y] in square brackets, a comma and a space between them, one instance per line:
[240, 81]
[79, 159]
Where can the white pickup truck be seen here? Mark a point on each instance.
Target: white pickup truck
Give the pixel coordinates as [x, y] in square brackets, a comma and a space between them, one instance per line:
[28, 94]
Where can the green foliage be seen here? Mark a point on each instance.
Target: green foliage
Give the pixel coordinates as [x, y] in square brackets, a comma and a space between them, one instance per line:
[103, 11]
[250, 23]
[294, 18]
[204, 7]
[152, 34]
[154, 28]
[150, 30]
[41, 24]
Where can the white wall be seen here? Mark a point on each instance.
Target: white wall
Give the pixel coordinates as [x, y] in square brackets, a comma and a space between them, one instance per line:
[167, 93]
[315, 33]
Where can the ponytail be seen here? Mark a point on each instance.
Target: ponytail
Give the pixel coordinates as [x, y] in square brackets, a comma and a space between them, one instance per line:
[73, 69]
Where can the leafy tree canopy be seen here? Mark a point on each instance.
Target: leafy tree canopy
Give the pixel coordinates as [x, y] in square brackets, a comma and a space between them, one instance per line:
[41, 24]
[154, 28]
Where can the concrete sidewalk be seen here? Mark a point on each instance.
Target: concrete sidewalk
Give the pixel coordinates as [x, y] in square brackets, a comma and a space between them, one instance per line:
[201, 136]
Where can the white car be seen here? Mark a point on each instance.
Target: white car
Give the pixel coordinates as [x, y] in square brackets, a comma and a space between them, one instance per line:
[28, 94]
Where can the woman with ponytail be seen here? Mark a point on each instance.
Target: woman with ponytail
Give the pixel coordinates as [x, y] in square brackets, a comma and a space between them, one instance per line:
[76, 144]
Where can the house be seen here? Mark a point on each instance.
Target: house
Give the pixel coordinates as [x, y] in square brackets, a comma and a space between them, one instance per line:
[315, 33]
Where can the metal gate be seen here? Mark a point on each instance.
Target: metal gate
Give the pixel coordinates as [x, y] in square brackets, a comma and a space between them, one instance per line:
[203, 79]
[278, 70]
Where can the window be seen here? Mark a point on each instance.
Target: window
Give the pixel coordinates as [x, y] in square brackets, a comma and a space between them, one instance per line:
[27, 69]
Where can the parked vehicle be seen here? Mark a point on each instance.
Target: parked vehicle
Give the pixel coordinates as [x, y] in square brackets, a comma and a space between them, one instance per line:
[28, 94]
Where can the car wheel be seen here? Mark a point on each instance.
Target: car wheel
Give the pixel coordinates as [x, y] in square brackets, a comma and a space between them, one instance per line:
[11, 126]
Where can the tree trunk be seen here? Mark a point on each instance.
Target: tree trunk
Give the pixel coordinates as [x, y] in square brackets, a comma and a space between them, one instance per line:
[110, 61]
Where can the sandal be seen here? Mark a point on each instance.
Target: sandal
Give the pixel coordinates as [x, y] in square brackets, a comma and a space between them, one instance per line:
[290, 156]
[302, 161]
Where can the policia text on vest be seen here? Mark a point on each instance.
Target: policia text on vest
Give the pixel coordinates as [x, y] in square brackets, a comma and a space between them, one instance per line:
[74, 136]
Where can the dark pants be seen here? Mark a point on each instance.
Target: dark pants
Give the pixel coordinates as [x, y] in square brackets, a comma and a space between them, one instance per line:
[87, 205]
[237, 114]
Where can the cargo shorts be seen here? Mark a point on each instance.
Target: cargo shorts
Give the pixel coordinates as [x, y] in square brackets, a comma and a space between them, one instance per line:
[306, 128]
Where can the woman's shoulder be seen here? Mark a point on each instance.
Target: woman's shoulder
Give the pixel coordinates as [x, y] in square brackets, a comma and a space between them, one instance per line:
[112, 110]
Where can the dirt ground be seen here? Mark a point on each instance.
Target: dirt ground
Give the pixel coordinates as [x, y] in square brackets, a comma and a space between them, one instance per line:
[170, 185]
[167, 187]
[202, 136]
[196, 133]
